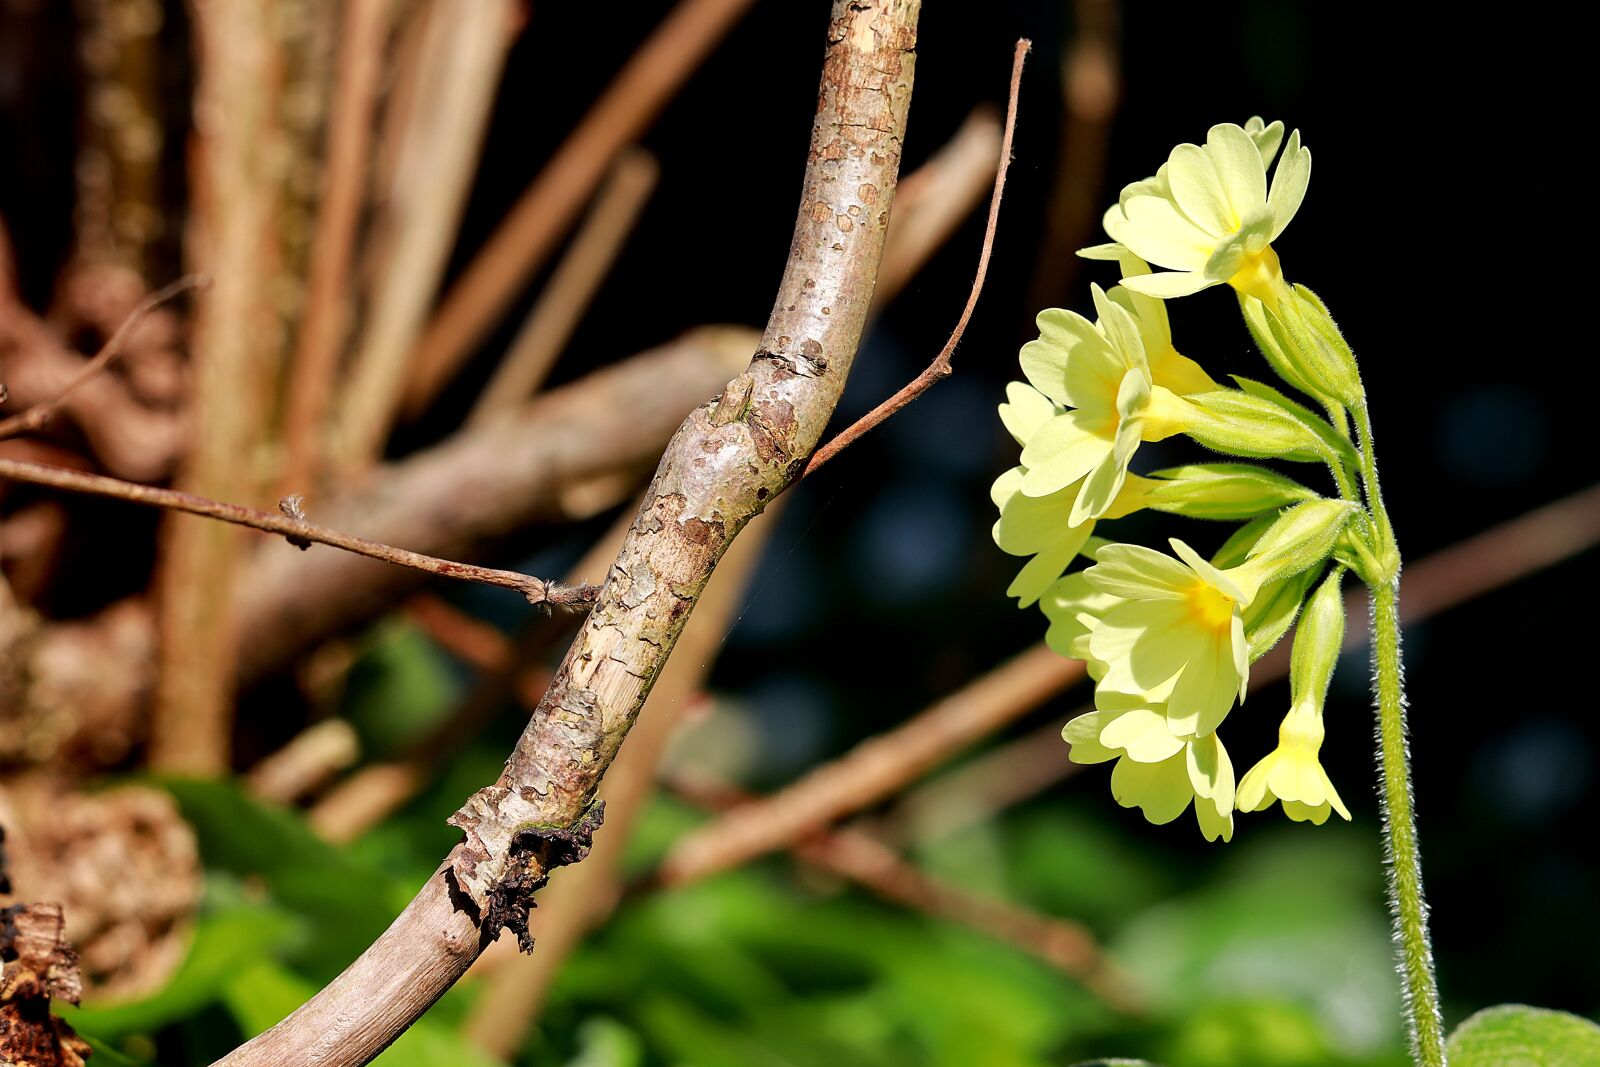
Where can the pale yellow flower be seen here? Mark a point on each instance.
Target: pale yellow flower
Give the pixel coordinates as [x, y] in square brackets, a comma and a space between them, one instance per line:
[1178, 623]
[1156, 771]
[1100, 376]
[1292, 774]
[1042, 526]
[1209, 217]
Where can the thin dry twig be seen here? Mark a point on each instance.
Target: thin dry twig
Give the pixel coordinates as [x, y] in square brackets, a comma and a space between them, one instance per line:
[40, 414]
[572, 286]
[295, 529]
[537, 221]
[940, 368]
[874, 770]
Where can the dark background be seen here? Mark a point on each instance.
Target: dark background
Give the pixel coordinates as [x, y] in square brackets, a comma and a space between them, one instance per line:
[1448, 227]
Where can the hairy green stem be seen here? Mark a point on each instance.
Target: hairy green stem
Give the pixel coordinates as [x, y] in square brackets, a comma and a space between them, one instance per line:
[1406, 899]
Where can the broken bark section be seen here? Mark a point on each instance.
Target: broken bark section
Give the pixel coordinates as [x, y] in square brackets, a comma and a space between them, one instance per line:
[39, 966]
[726, 461]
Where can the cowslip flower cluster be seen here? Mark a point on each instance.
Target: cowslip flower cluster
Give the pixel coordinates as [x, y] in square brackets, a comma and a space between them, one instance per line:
[1169, 637]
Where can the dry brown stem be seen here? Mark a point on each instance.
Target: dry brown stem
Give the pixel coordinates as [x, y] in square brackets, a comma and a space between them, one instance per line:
[237, 186]
[324, 321]
[875, 769]
[449, 68]
[308, 762]
[129, 439]
[295, 529]
[727, 460]
[535, 224]
[940, 368]
[572, 286]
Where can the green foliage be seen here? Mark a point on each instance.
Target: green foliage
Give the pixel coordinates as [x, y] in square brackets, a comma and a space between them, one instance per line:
[1515, 1034]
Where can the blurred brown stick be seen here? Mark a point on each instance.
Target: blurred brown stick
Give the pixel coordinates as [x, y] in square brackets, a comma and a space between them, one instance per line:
[940, 368]
[536, 590]
[536, 222]
[1091, 83]
[238, 147]
[41, 413]
[504, 663]
[315, 362]
[875, 769]
[859, 857]
[306, 763]
[562, 302]
[448, 66]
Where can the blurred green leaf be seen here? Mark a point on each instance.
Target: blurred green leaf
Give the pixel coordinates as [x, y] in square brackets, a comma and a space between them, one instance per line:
[402, 685]
[1293, 917]
[1515, 1035]
[604, 1042]
[349, 902]
[224, 943]
[262, 995]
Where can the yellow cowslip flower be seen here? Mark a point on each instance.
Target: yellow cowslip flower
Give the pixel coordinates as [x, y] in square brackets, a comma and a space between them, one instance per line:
[1099, 374]
[1156, 771]
[1178, 623]
[1073, 607]
[1042, 527]
[1209, 217]
[1168, 367]
[1291, 773]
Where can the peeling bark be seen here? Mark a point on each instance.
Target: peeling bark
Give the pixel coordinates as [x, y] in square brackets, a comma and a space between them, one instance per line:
[728, 459]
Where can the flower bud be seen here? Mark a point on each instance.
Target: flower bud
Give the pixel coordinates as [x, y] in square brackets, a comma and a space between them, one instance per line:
[1239, 424]
[1316, 348]
[1317, 644]
[1229, 491]
[1273, 611]
[1301, 538]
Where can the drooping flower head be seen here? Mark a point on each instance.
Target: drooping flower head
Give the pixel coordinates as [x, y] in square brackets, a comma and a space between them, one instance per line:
[1209, 217]
[1291, 773]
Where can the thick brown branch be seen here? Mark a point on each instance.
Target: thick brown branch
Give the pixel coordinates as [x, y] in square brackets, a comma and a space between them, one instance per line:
[727, 460]
[297, 530]
[42, 413]
[940, 369]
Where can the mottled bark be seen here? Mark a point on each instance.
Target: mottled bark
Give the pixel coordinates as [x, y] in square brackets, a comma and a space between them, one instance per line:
[457, 499]
[729, 458]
